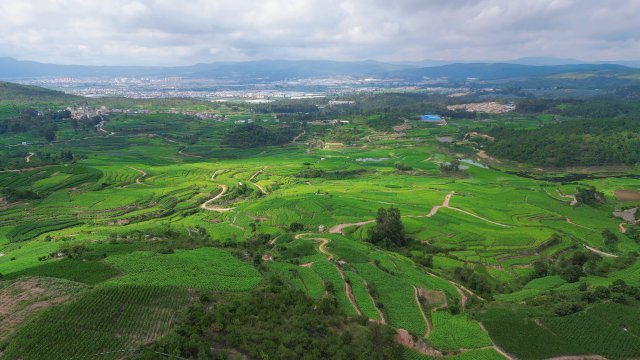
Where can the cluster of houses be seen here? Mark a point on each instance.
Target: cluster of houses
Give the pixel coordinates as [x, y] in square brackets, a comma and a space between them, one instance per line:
[85, 111]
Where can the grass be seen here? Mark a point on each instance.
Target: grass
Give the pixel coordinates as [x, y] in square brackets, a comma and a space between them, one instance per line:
[205, 268]
[87, 272]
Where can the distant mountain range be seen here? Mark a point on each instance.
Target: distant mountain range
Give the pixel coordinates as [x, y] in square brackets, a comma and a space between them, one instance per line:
[502, 71]
[276, 70]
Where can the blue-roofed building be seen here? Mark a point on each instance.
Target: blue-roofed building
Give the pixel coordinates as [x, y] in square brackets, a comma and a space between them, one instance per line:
[430, 117]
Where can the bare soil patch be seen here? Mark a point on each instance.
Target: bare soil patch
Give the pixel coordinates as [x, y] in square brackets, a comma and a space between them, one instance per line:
[627, 195]
[25, 297]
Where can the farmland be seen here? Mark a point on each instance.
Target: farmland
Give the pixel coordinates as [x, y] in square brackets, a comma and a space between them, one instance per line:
[163, 215]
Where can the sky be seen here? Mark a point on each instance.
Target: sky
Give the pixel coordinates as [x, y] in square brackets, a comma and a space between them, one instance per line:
[183, 32]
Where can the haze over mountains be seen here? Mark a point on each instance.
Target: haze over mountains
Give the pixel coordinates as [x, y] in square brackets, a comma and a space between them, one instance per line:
[276, 70]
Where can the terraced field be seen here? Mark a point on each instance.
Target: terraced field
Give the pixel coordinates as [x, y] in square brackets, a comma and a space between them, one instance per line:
[149, 219]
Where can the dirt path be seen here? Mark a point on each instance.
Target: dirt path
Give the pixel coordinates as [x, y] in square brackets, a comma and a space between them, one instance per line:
[445, 204]
[424, 317]
[28, 157]
[479, 217]
[600, 252]
[338, 229]
[573, 199]
[348, 292]
[383, 321]
[257, 173]
[143, 174]
[262, 190]
[463, 296]
[297, 137]
[323, 244]
[216, 173]
[207, 205]
[622, 228]
[100, 128]
[181, 152]
[569, 221]
[404, 338]
[496, 347]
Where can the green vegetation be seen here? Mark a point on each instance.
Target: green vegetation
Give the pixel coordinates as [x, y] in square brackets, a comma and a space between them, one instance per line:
[571, 143]
[279, 323]
[213, 238]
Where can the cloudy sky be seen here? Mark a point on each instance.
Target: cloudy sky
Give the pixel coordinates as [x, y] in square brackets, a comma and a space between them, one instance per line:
[177, 32]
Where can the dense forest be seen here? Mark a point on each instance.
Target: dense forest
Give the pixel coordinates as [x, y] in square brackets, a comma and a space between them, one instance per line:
[276, 322]
[571, 143]
[253, 135]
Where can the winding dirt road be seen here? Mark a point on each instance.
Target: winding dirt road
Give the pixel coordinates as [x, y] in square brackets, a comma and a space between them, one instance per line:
[143, 174]
[207, 205]
[262, 190]
[297, 137]
[348, 292]
[216, 173]
[323, 244]
[445, 204]
[600, 252]
[496, 347]
[424, 317]
[28, 157]
[573, 199]
[338, 229]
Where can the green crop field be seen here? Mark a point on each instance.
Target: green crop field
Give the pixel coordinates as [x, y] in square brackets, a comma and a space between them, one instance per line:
[156, 222]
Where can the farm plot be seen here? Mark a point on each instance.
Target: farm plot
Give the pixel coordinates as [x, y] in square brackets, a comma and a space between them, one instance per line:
[204, 268]
[396, 297]
[109, 323]
[451, 332]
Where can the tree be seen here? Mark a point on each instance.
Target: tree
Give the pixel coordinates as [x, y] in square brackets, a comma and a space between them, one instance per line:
[389, 230]
[610, 239]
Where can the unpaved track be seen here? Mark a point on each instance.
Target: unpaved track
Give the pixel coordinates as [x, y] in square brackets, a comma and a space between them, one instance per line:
[262, 190]
[479, 217]
[257, 173]
[338, 229]
[297, 137]
[622, 228]
[382, 321]
[573, 199]
[445, 204]
[424, 317]
[496, 347]
[600, 252]
[143, 174]
[207, 205]
[569, 221]
[181, 152]
[28, 157]
[348, 292]
[216, 173]
[323, 244]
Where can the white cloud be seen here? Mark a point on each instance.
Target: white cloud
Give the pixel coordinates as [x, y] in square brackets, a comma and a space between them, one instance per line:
[171, 32]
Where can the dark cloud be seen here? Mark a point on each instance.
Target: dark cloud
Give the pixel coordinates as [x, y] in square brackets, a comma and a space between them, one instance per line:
[163, 32]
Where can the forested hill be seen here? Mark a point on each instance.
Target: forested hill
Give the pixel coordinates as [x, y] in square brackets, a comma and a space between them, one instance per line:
[571, 143]
[26, 93]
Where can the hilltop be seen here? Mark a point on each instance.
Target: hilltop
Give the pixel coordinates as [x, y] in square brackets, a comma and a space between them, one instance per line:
[28, 93]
